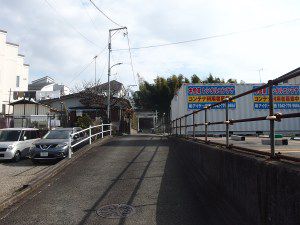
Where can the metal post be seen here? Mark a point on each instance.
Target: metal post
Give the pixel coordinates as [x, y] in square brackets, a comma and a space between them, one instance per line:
[70, 147]
[180, 126]
[176, 127]
[109, 68]
[206, 125]
[90, 134]
[185, 123]
[110, 129]
[227, 124]
[102, 130]
[108, 76]
[271, 113]
[193, 125]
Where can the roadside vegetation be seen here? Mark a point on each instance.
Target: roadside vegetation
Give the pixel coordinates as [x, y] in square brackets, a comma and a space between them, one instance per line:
[158, 95]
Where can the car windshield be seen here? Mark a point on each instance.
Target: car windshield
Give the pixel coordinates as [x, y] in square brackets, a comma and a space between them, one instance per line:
[9, 135]
[58, 134]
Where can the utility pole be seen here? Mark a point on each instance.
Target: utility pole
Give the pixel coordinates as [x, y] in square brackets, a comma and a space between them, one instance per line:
[109, 68]
[95, 69]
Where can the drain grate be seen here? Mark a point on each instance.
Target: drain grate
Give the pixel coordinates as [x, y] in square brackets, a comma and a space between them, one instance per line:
[115, 211]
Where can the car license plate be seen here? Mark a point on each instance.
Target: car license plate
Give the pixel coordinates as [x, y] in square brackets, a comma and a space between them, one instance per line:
[44, 154]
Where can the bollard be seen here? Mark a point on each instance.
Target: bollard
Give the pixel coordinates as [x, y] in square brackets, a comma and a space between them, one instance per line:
[193, 125]
[227, 124]
[90, 134]
[180, 126]
[70, 147]
[206, 124]
[185, 132]
[271, 114]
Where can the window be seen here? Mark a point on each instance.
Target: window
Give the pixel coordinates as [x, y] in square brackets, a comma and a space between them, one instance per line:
[18, 81]
[34, 134]
[9, 135]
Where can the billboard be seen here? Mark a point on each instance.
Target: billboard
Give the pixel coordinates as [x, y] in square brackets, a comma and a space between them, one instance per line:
[199, 96]
[284, 97]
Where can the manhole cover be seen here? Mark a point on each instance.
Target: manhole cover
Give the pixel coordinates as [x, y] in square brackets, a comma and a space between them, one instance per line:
[115, 211]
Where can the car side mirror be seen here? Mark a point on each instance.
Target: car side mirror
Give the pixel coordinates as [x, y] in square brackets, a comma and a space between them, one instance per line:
[76, 137]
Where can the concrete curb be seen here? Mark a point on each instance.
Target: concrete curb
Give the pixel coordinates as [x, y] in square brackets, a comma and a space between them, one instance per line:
[47, 175]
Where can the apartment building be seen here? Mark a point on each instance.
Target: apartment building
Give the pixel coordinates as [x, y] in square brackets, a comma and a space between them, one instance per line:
[13, 72]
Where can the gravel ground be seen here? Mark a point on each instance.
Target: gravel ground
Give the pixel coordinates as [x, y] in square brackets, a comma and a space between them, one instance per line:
[16, 174]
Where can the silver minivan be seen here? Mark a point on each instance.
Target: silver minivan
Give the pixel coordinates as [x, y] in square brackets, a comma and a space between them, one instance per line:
[16, 142]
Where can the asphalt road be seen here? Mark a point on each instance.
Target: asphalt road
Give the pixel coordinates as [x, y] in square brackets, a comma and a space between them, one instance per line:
[139, 171]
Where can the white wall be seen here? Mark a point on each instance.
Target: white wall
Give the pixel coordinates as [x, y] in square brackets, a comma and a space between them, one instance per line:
[11, 66]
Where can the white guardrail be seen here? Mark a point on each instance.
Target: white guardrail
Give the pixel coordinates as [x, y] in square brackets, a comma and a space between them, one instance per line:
[88, 134]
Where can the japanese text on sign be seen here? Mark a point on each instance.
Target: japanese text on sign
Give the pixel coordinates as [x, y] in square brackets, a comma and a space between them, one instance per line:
[199, 97]
[284, 97]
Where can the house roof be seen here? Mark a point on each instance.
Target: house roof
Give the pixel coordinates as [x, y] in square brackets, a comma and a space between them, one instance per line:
[26, 101]
[38, 84]
[115, 86]
[122, 101]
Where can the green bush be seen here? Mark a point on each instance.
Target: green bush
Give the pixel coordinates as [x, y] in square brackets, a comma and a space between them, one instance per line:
[84, 121]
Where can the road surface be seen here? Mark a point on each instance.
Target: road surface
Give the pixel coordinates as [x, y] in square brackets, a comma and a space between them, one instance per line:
[138, 171]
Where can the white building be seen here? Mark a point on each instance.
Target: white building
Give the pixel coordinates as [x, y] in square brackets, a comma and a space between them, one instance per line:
[46, 88]
[13, 72]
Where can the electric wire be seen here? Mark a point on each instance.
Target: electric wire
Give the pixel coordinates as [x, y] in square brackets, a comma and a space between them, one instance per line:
[81, 71]
[88, 14]
[210, 37]
[104, 14]
[130, 54]
[69, 24]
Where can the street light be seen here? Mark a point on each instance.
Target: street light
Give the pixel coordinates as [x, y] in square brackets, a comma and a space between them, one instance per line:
[108, 93]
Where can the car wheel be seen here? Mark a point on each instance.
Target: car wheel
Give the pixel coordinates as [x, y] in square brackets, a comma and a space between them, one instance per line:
[17, 156]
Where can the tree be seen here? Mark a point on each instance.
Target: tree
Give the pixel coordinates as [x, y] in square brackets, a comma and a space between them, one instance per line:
[158, 95]
[233, 81]
[195, 79]
[213, 80]
[186, 80]
[84, 121]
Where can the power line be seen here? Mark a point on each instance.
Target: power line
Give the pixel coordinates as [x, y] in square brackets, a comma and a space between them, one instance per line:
[129, 49]
[81, 71]
[210, 37]
[105, 14]
[69, 24]
[93, 22]
[86, 66]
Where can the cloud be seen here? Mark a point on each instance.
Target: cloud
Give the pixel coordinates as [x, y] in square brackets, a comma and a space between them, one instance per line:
[52, 44]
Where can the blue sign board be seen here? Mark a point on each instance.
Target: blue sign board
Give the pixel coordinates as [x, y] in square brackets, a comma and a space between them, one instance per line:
[199, 96]
[284, 97]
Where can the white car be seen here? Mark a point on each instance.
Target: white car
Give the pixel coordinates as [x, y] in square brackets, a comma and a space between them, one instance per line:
[16, 142]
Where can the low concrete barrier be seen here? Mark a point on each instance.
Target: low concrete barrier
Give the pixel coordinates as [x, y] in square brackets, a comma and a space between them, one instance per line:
[263, 191]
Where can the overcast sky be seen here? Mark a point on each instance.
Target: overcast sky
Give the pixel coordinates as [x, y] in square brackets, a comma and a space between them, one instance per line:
[53, 42]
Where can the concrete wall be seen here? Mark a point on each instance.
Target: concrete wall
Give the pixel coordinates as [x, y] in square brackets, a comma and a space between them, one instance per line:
[11, 66]
[264, 192]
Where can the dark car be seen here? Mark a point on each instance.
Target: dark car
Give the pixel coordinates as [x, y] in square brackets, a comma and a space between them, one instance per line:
[55, 144]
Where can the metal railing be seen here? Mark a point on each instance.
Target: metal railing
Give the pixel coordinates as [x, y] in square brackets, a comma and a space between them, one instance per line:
[271, 117]
[89, 134]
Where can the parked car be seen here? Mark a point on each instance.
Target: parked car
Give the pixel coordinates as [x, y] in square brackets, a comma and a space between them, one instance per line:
[16, 142]
[55, 144]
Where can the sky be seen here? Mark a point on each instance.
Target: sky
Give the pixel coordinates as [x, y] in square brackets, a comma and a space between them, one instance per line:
[60, 38]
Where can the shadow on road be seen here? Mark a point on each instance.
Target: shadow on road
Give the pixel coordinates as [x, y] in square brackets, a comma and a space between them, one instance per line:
[177, 203]
[138, 142]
